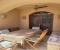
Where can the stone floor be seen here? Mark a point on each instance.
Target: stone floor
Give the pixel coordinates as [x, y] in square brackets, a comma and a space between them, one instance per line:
[40, 46]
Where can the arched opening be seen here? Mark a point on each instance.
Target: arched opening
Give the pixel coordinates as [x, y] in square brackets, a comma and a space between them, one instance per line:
[41, 19]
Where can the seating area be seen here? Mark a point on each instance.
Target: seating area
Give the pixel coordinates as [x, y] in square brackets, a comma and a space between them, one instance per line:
[6, 44]
[29, 25]
[36, 39]
[40, 46]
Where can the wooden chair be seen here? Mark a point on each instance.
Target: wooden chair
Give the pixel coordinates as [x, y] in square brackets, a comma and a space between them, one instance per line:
[36, 39]
[7, 45]
[13, 29]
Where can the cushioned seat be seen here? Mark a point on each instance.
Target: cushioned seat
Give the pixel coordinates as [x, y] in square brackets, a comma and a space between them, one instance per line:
[4, 31]
[36, 28]
[6, 43]
[33, 39]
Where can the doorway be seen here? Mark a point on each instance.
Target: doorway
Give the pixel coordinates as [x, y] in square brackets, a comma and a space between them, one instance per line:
[41, 19]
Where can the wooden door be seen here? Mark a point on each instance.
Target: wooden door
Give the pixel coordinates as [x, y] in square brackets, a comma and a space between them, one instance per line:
[44, 20]
[34, 21]
[47, 22]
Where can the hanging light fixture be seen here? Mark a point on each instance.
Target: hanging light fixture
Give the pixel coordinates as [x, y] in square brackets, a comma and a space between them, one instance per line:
[38, 7]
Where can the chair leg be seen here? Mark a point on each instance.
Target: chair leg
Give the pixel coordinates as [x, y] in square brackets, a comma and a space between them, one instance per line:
[35, 43]
[14, 47]
[32, 46]
[2, 48]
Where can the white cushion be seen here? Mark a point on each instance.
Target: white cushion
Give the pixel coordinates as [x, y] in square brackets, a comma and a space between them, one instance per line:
[5, 44]
[32, 39]
[4, 31]
[35, 27]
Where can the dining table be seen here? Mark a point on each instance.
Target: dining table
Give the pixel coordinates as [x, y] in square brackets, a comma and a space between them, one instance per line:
[20, 35]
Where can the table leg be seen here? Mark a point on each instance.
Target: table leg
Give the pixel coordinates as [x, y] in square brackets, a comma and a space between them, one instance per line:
[23, 45]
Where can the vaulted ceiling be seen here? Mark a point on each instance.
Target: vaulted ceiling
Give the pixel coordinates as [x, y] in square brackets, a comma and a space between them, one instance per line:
[7, 5]
[40, 5]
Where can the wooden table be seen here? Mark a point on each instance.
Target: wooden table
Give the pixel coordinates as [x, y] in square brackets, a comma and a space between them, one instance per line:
[20, 35]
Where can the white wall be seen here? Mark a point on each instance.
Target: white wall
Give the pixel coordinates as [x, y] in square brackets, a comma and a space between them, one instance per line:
[12, 19]
[26, 11]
